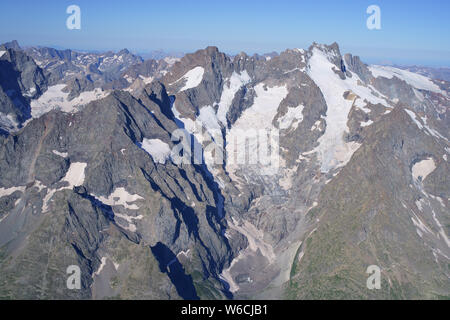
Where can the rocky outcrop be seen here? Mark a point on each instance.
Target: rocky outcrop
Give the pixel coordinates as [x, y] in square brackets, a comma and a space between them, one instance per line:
[360, 180]
[375, 213]
[20, 81]
[88, 171]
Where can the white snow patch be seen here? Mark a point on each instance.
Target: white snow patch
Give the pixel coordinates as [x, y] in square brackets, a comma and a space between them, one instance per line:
[416, 80]
[367, 123]
[146, 80]
[292, 118]
[263, 110]
[75, 174]
[257, 118]
[159, 150]
[55, 98]
[361, 105]
[424, 126]
[193, 78]
[120, 197]
[47, 198]
[129, 219]
[441, 201]
[439, 252]
[414, 118]
[184, 253]
[100, 268]
[433, 132]
[419, 204]
[61, 154]
[441, 230]
[420, 225]
[6, 192]
[285, 182]
[230, 89]
[30, 93]
[333, 150]
[128, 78]
[208, 118]
[171, 60]
[423, 168]
[295, 69]
[2, 53]
[8, 122]
[316, 125]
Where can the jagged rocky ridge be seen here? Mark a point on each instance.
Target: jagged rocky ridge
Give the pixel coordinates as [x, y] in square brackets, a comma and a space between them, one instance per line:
[93, 197]
[363, 179]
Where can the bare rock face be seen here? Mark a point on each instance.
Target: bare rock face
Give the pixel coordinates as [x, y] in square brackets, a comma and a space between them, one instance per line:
[20, 80]
[355, 65]
[87, 172]
[367, 217]
[360, 177]
[327, 113]
[78, 85]
[63, 65]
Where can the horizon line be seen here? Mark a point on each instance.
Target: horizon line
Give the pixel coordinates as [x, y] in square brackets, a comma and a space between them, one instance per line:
[143, 52]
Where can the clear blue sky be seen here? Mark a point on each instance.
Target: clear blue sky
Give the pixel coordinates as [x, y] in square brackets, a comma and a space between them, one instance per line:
[412, 31]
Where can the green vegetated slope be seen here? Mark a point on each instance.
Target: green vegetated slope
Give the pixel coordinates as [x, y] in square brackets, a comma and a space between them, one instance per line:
[365, 219]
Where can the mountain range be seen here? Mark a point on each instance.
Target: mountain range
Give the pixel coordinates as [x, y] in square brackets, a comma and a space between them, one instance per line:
[89, 176]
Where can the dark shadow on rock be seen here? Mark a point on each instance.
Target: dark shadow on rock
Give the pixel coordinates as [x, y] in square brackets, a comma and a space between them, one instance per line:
[169, 264]
[187, 213]
[9, 82]
[158, 95]
[4, 133]
[179, 123]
